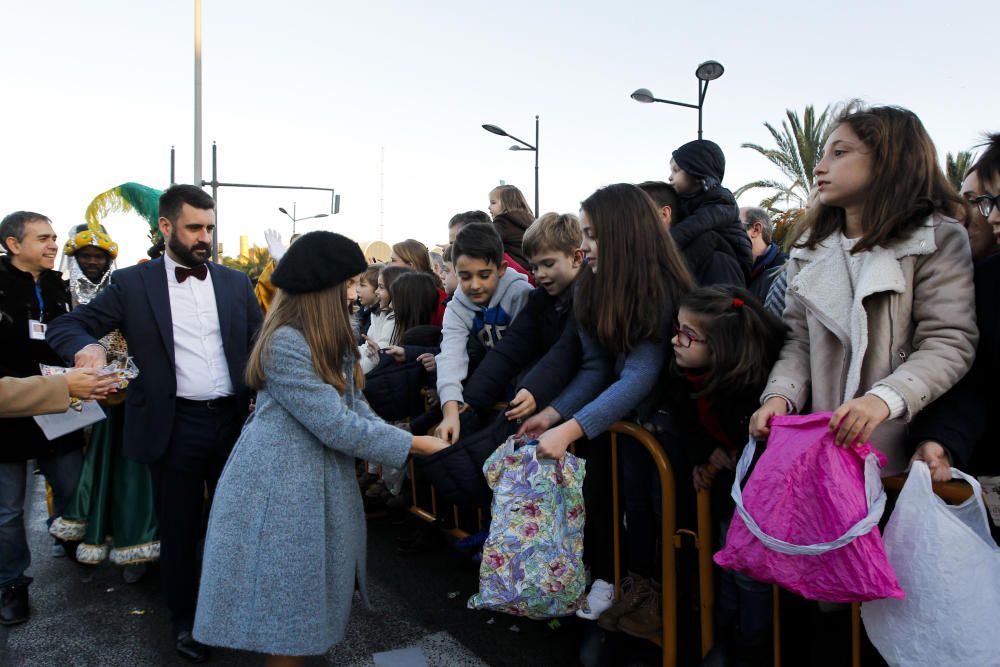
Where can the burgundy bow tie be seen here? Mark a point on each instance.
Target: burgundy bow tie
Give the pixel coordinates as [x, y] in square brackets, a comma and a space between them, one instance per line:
[182, 273]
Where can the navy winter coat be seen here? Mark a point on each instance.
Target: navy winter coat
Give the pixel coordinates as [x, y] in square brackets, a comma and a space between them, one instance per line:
[537, 329]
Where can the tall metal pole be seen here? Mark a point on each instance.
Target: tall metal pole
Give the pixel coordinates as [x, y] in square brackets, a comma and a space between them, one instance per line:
[537, 212]
[172, 163]
[215, 196]
[197, 93]
[702, 89]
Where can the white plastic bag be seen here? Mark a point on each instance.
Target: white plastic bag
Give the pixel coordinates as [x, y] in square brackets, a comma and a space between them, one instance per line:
[949, 567]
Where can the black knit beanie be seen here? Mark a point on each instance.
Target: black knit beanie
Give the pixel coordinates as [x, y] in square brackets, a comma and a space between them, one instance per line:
[316, 261]
[702, 159]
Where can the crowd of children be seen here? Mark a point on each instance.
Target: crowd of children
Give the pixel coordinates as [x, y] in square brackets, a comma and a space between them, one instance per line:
[641, 313]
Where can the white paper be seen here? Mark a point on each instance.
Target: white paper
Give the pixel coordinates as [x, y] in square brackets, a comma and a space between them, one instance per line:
[991, 486]
[54, 426]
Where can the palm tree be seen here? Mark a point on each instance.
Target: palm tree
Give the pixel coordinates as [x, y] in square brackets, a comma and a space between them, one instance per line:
[956, 166]
[799, 149]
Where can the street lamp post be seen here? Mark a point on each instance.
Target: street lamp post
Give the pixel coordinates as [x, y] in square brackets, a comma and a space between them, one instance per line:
[524, 146]
[710, 70]
[294, 219]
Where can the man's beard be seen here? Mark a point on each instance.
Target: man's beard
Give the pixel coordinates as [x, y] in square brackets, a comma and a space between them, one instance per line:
[186, 255]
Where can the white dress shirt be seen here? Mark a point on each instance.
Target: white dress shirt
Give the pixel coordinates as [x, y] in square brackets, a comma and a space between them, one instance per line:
[199, 358]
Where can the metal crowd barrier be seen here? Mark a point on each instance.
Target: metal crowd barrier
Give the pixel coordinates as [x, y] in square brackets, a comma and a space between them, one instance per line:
[952, 492]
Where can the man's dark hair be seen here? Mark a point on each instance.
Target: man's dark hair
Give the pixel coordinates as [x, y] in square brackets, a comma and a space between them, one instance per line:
[13, 225]
[988, 165]
[176, 196]
[479, 240]
[469, 217]
[663, 194]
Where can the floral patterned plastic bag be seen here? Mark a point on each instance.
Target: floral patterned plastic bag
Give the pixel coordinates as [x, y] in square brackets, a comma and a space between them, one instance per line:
[533, 559]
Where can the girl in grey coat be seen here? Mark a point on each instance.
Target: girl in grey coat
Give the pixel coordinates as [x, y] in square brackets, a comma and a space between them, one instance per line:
[286, 539]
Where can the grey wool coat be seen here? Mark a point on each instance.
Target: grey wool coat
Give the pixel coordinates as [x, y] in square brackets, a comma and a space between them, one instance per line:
[286, 535]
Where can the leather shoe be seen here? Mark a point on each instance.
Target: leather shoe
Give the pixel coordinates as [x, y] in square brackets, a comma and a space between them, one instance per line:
[190, 649]
[13, 605]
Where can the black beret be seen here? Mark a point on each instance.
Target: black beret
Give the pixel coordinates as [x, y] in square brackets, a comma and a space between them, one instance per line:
[316, 261]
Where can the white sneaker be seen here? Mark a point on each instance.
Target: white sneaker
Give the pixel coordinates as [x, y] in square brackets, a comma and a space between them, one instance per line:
[600, 597]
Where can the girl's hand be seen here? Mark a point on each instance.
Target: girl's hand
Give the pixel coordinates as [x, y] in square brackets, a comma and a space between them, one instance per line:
[88, 384]
[428, 361]
[552, 444]
[427, 444]
[522, 406]
[540, 423]
[397, 353]
[936, 457]
[854, 422]
[722, 460]
[703, 476]
[760, 421]
[372, 350]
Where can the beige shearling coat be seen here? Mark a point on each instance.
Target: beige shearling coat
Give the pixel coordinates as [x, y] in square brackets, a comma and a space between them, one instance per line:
[909, 324]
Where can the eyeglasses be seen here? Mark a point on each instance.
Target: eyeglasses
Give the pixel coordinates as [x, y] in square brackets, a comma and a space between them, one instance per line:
[684, 339]
[985, 203]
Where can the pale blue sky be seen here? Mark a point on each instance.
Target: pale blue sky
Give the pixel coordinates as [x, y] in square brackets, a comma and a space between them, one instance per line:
[306, 92]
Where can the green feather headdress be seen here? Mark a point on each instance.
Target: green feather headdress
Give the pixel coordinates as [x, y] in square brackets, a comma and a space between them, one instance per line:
[125, 198]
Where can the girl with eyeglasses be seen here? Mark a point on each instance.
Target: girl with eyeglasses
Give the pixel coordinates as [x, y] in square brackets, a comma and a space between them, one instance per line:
[724, 345]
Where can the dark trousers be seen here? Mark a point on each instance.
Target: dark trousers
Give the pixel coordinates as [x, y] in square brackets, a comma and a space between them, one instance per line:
[184, 481]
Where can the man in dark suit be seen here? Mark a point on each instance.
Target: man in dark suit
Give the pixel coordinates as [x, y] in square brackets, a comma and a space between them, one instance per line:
[190, 325]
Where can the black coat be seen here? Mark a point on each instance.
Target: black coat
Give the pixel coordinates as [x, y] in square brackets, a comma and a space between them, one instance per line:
[20, 356]
[536, 329]
[712, 240]
[511, 227]
[393, 390]
[964, 420]
[557, 368]
[137, 302]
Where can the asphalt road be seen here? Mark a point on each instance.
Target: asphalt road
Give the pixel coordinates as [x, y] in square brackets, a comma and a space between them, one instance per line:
[86, 615]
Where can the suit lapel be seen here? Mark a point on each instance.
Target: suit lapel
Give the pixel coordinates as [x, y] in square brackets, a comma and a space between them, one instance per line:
[223, 302]
[154, 275]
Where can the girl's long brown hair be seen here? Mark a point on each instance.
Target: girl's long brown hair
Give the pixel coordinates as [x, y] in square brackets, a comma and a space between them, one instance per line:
[743, 339]
[415, 253]
[324, 319]
[641, 274]
[415, 300]
[907, 184]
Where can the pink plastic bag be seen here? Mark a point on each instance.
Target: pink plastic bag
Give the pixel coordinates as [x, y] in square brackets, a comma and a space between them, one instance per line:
[808, 518]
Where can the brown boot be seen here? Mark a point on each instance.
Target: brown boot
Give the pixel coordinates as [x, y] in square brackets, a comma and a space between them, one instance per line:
[634, 589]
[646, 622]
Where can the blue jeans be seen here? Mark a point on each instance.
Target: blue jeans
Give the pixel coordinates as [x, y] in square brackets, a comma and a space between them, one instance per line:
[62, 473]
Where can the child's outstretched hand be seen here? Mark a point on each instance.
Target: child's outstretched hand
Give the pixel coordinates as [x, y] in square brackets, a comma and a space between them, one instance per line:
[372, 347]
[523, 405]
[397, 353]
[703, 476]
[540, 423]
[449, 428]
[721, 459]
[937, 460]
[429, 362]
[760, 421]
[854, 422]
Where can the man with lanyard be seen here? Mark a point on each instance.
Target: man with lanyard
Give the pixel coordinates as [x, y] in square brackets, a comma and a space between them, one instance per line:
[32, 295]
